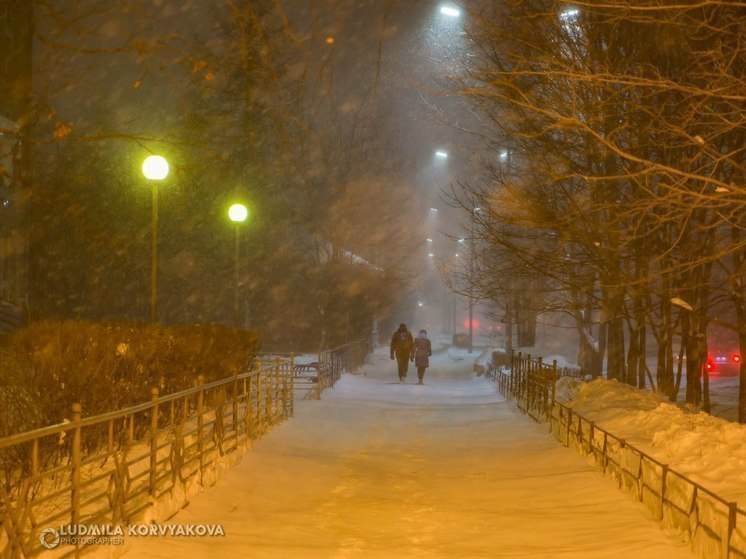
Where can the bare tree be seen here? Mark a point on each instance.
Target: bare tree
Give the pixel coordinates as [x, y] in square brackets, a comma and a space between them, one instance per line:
[628, 153]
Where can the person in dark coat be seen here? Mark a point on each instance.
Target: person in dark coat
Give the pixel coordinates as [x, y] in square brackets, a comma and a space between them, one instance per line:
[421, 353]
[401, 347]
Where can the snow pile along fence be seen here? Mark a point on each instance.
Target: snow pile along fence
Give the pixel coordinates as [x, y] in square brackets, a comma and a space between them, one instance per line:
[715, 527]
[139, 463]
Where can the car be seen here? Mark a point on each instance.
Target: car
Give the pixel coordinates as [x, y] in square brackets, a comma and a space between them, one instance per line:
[722, 363]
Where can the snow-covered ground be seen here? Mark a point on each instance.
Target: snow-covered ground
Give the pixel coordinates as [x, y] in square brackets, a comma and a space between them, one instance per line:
[709, 450]
[447, 469]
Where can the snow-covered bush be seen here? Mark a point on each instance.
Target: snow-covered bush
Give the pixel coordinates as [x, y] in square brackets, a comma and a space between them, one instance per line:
[105, 367]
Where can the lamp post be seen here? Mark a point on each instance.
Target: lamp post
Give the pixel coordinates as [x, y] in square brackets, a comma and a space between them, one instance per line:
[454, 300]
[237, 214]
[155, 169]
[472, 273]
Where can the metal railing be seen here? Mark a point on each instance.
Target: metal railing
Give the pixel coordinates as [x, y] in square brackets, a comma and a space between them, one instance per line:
[715, 526]
[530, 382]
[312, 378]
[347, 358]
[110, 468]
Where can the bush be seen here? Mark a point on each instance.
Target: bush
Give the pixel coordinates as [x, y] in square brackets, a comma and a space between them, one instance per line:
[47, 366]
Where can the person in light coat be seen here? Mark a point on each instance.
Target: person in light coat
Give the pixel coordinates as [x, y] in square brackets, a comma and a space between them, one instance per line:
[421, 354]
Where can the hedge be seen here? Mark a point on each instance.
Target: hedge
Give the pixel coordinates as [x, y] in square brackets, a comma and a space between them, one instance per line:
[47, 366]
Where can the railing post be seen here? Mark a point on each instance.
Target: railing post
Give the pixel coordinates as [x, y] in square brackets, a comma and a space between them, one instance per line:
[542, 391]
[153, 442]
[523, 366]
[320, 374]
[291, 382]
[235, 409]
[249, 417]
[110, 436]
[732, 511]
[276, 403]
[75, 472]
[201, 426]
[264, 392]
[35, 458]
[554, 379]
[664, 474]
[131, 430]
[285, 389]
[258, 384]
[515, 366]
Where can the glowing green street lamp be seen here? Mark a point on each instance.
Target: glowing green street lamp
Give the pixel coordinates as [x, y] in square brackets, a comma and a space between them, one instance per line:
[155, 169]
[237, 214]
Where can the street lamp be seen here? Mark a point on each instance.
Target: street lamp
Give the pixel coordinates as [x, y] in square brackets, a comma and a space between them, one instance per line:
[682, 304]
[472, 263]
[237, 214]
[155, 169]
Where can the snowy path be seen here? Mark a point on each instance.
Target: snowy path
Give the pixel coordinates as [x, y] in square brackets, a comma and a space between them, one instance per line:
[447, 469]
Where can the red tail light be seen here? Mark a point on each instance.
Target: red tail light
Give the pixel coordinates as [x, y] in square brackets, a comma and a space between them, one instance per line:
[736, 358]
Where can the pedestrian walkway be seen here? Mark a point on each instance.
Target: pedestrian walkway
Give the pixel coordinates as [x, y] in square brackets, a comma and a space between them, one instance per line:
[447, 469]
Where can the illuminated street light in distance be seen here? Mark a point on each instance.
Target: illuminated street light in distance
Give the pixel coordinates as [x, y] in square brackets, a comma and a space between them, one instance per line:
[155, 168]
[238, 213]
[429, 240]
[435, 210]
[449, 11]
[431, 255]
[504, 154]
[569, 13]
[462, 241]
[440, 154]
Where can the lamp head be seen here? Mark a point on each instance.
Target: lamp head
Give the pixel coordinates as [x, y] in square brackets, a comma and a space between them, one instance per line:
[155, 167]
